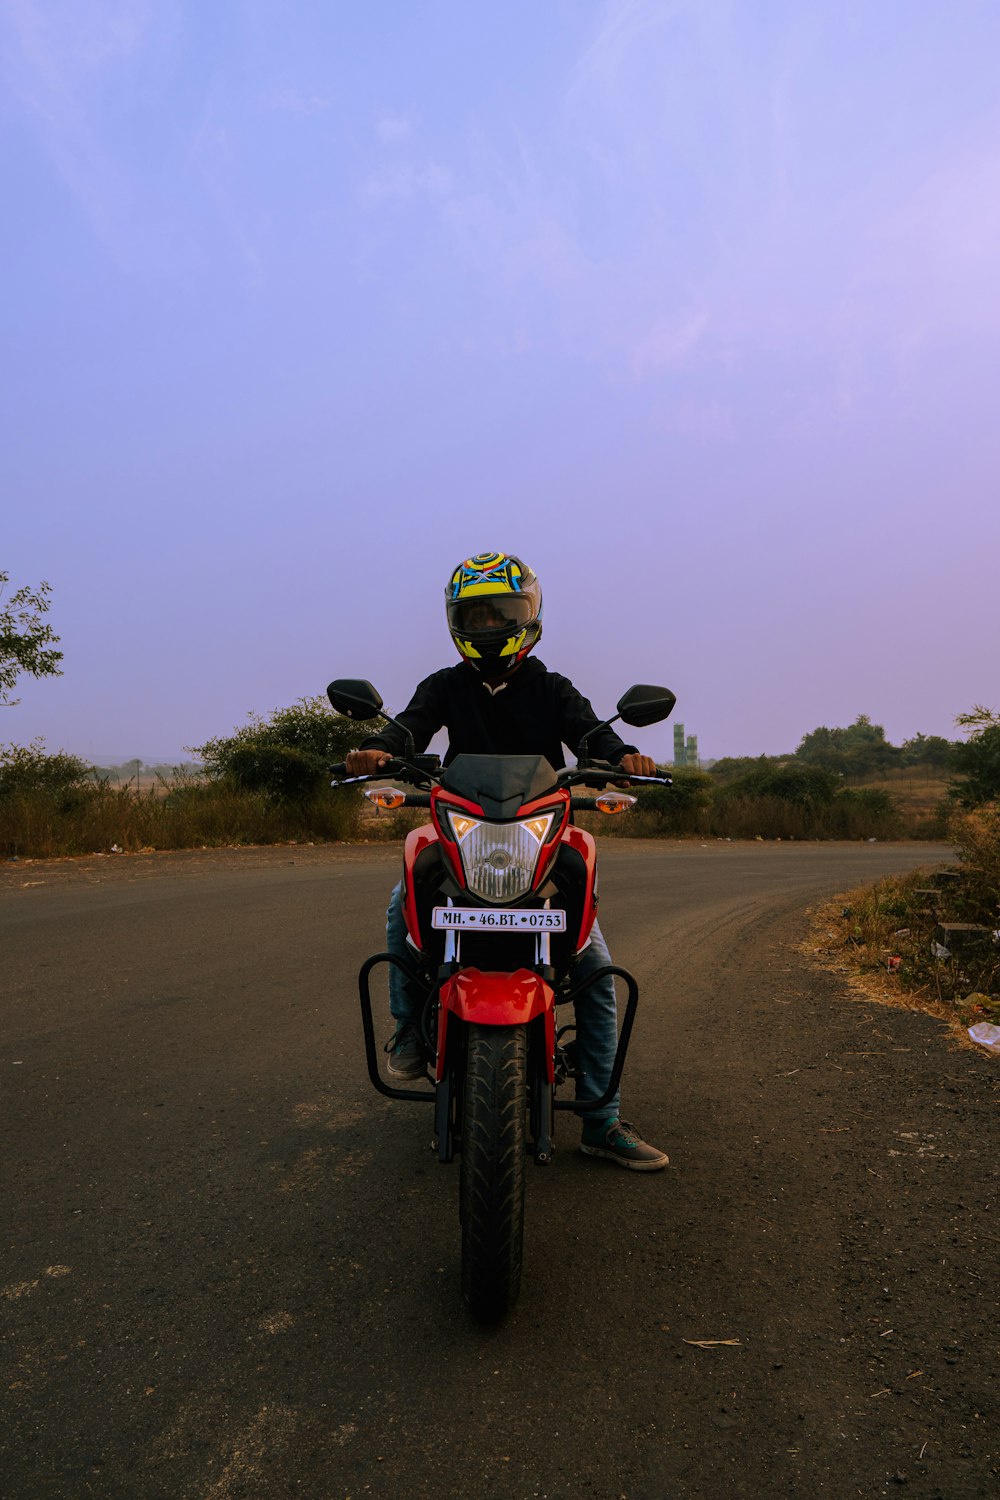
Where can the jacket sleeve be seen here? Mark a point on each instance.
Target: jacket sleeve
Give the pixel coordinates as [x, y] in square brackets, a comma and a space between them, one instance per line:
[423, 716]
[577, 717]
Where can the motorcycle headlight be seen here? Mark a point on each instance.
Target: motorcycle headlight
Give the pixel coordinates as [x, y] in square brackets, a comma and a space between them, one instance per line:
[500, 859]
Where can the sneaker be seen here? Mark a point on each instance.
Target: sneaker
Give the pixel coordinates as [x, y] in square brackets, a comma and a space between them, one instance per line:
[622, 1143]
[407, 1058]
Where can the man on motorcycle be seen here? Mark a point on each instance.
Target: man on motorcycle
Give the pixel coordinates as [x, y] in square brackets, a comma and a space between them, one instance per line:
[497, 702]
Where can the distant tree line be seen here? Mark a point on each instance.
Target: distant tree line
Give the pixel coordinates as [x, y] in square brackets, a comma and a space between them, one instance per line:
[268, 781]
[860, 752]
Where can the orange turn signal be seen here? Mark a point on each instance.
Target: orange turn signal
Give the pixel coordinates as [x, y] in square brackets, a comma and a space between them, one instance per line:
[461, 826]
[613, 802]
[385, 796]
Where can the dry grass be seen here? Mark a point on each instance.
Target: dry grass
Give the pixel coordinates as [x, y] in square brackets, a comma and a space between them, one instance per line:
[85, 819]
[855, 936]
[916, 793]
[96, 819]
[763, 817]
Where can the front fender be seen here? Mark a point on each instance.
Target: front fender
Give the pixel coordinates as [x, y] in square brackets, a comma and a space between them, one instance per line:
[495, 999]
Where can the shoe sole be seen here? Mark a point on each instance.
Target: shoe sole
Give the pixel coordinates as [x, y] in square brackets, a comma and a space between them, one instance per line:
[623, 1161]
[409, 1073]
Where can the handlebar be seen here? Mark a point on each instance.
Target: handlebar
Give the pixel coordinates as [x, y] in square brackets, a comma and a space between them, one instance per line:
[590, 773]
[600, 772]
[421, 766]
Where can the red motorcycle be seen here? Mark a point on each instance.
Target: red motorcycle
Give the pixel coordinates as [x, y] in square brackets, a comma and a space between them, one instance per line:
[499, 894]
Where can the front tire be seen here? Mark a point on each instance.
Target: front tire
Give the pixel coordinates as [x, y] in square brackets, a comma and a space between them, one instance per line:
[492, 1174]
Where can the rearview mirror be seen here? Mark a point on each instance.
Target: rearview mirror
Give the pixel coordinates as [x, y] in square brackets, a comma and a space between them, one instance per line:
[643, 705]
[356, 699]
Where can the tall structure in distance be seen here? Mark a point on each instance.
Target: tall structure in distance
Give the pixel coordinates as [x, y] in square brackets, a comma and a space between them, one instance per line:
[685, 749]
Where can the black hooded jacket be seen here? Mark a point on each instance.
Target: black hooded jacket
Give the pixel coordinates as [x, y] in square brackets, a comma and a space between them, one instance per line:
[534, 712]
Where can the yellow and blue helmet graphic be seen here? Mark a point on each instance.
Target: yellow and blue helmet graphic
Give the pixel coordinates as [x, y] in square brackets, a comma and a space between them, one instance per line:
[494, 604]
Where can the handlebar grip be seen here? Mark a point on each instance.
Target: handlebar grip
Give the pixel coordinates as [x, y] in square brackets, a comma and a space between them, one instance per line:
[392, 767]
[340, 769]
[394, 764]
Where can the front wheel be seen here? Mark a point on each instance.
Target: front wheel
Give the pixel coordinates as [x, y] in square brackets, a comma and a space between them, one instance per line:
[492, 1174]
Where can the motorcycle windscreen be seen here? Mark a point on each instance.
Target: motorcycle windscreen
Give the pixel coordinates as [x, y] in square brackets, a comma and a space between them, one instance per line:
[500, 784]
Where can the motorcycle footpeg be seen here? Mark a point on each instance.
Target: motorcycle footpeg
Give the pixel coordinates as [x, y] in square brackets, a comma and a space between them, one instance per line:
[566, 1061]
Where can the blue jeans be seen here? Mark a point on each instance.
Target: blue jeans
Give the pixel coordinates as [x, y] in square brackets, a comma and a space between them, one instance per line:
[596, 1010]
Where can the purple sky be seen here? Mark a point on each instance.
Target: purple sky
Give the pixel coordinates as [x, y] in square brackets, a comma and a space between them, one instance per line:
[694, 305]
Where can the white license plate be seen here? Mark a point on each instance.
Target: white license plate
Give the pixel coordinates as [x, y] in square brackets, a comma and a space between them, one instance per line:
[497, 919]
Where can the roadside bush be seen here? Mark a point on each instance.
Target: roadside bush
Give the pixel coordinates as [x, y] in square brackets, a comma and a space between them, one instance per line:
[731, 767]
[266, 783]
[772, 803]
[802, 803]
[932, 828]
[286, 756]
[660, 811]
[665, 810]
[887, 918]
[805, 786]
[32, 769]
[977, 759]
[192, 815]
[864, 812]
[278, 771]
[977, 838]
[893, 918]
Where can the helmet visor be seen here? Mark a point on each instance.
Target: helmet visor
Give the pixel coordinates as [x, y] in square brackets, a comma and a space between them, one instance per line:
[470, 617]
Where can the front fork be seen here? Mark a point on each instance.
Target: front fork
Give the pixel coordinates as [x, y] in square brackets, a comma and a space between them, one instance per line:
[447, 1093]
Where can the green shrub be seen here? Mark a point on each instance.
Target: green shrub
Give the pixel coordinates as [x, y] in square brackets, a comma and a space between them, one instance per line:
[772, 802]
[804, 785]
[773, 817]
[286, 756]
[865, 812]
[859, 750]
[278, 771]
[666, 810]
[978, 759]
[732, 767]
[977, 838]
[31, 768]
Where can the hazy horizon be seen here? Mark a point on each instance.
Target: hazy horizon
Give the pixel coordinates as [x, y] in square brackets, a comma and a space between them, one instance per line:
[693, 305]
[110, 759]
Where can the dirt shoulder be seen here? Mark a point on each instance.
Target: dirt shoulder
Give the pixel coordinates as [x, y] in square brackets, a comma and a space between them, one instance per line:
[904, 941]
[93, 869]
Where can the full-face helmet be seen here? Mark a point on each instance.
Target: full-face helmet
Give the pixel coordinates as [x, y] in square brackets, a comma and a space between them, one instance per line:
[494, 604]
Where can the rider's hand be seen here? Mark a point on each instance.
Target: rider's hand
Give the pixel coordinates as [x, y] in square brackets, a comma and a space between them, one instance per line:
[636, 765]
[366, 762]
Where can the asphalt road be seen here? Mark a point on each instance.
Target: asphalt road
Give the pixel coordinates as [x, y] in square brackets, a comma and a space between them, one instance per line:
[230, 1268]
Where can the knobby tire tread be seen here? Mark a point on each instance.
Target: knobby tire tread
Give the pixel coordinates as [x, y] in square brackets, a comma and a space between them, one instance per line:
[494, 1138]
